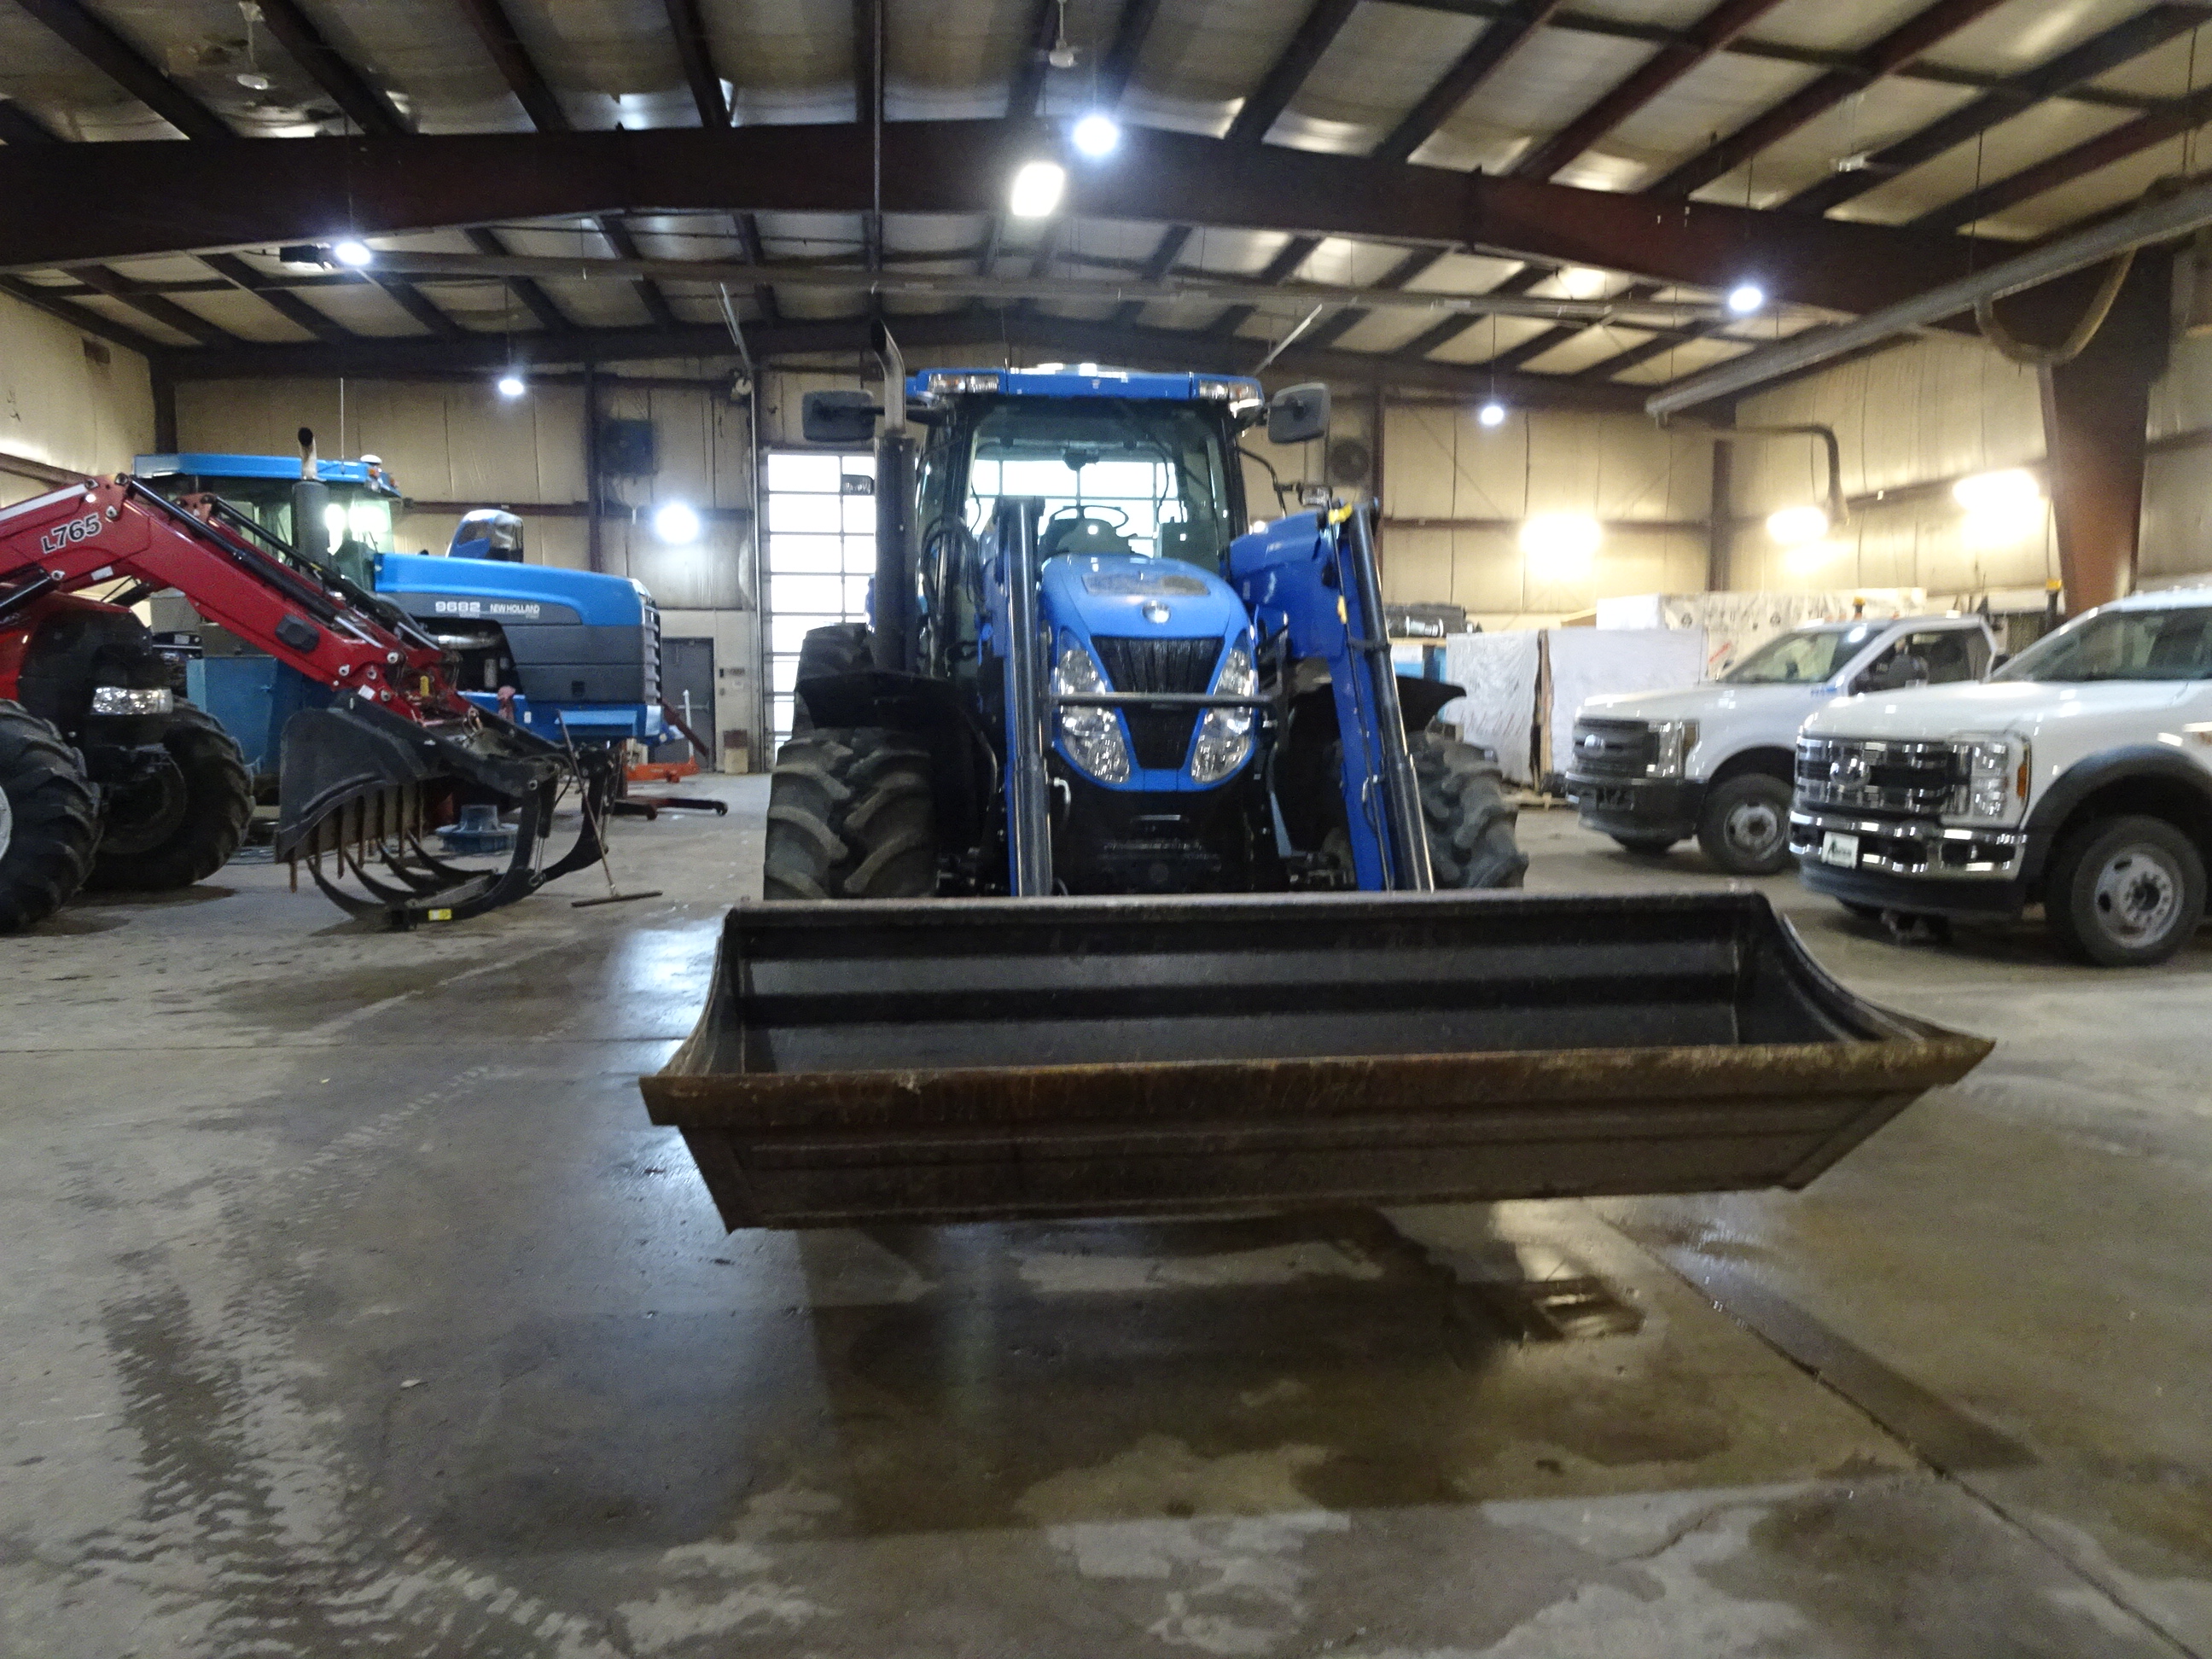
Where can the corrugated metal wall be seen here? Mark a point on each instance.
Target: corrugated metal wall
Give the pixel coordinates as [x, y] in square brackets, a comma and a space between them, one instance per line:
[67, 399]
[1928, 413]
[1650, 487]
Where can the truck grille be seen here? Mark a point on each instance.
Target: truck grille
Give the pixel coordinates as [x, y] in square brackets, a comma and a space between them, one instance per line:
[1614, 747]
[1160, 737]
[1869, 776]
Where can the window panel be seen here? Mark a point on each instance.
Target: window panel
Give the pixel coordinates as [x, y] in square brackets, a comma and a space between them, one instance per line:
[798, 555]
[811, 514]
[794, 469]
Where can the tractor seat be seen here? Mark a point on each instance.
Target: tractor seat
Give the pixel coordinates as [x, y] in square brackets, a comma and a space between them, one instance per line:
[1084, 535]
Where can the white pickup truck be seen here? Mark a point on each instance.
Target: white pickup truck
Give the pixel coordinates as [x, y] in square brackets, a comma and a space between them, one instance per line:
[1653, 767]
[2078, 777]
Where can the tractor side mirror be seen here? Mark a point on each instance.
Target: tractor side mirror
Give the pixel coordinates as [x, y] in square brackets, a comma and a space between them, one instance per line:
[844, 418]
[1299, 415]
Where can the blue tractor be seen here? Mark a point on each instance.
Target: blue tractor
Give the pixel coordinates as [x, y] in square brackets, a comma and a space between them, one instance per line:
[1083, 675]
[574, 655]
[1159, 852]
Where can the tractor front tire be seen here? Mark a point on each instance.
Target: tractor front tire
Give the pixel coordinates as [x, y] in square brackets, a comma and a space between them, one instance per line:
[1470, 819]
[49, 821]
[209, 823]
[850, 816]
[837, 648]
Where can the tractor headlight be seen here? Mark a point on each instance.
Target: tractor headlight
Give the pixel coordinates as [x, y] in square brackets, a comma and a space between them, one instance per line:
[1993, 778]
[1671, 744]
[1090, 735]
[133, 700]
[1225, 736]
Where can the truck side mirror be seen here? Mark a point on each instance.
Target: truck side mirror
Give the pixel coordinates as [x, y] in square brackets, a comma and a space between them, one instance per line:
[843, 418]
[1298, 414]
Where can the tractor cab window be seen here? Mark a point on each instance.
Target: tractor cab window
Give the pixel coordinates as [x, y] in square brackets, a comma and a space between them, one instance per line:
[1136, 478]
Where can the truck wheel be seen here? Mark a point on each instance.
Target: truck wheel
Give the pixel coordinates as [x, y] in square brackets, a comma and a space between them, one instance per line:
[850, 816]
[1470, 819]
[2125, 892]
[49, 822]
[1745, 828]
[1648, 846]
[182, 826]
[838, 648]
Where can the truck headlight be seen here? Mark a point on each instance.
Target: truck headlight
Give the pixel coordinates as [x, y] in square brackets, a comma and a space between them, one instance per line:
[1671, 744]
[1225, 736]
[133, 699]
[1993, 778]
[1092, 736]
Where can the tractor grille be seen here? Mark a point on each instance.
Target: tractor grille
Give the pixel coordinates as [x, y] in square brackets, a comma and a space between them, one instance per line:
[1160, 737]
[1613, 749]
[1913, 779]
[651, 634]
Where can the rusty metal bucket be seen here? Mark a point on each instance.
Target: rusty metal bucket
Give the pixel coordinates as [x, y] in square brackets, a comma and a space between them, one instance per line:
[995, 1059]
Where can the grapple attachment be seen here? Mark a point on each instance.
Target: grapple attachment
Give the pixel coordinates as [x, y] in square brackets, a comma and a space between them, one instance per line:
[986, 1059]
[362, 787]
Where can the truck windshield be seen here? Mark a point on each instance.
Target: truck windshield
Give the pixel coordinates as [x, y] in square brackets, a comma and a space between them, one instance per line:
[1136, 477]
[1804, 654]
[2121, 644]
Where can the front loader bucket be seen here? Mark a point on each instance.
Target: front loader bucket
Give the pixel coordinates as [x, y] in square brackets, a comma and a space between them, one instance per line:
[362, 786]
[989, 1059]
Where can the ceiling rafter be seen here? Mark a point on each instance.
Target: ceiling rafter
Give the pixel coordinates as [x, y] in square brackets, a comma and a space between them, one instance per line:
[1475, 66]
[986, 328]
[1260, 112]
[547, 114]
[1410, 264]
[2065, 74]
[1118, 65]
[2107, 147]
[1467, 76]
[1777, 51]
[1925, 28]
[1025, 95]
[2057, 75]
[1709, 34]
[868, 105]
[363, 103]
[83, 318]
[688, 31]
[123, 64]
[73, 207]
[290, 307]
[167, 311]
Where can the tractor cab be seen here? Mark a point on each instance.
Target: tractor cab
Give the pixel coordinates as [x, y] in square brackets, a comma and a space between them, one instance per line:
[356, 503]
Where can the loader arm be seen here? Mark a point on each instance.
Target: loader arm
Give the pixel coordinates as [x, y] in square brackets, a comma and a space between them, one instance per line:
[361, 780]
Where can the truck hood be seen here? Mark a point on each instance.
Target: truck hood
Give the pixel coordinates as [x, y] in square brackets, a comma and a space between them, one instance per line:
[1692, 703]
[2021, 707]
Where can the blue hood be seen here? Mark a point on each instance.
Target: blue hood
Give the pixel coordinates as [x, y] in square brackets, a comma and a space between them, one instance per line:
[598, 599]
[1108, 594]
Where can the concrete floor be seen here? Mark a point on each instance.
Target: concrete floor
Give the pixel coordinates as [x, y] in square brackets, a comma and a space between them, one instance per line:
[352, 1306]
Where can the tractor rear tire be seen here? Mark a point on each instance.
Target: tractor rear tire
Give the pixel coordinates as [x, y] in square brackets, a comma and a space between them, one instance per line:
[1470, 816]
[838, 648]
[217, 805]
[850, 816]
[49, 820]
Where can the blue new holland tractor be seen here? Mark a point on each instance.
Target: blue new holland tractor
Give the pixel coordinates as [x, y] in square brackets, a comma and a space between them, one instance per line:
[1083, 675]
[1167, 879]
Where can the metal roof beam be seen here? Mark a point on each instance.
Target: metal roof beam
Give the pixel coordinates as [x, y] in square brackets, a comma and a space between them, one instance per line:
[1481, 60]
[71, 206]
[1777, 51]
[2004, 99]
[1116, 68]
[988, 332]
[2102, 151]
[363, 103]
[167, 311]
[121, 62]
[82, 318]
[1915, 35]
[688, 31]
[1709, 34]
[516, 67]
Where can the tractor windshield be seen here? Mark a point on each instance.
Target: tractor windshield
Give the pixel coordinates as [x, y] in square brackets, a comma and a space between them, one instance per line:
[1117, 476]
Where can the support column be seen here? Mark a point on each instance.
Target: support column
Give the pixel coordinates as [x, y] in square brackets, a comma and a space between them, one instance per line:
[1720, 520]
[594, 557]
[2096, 410]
